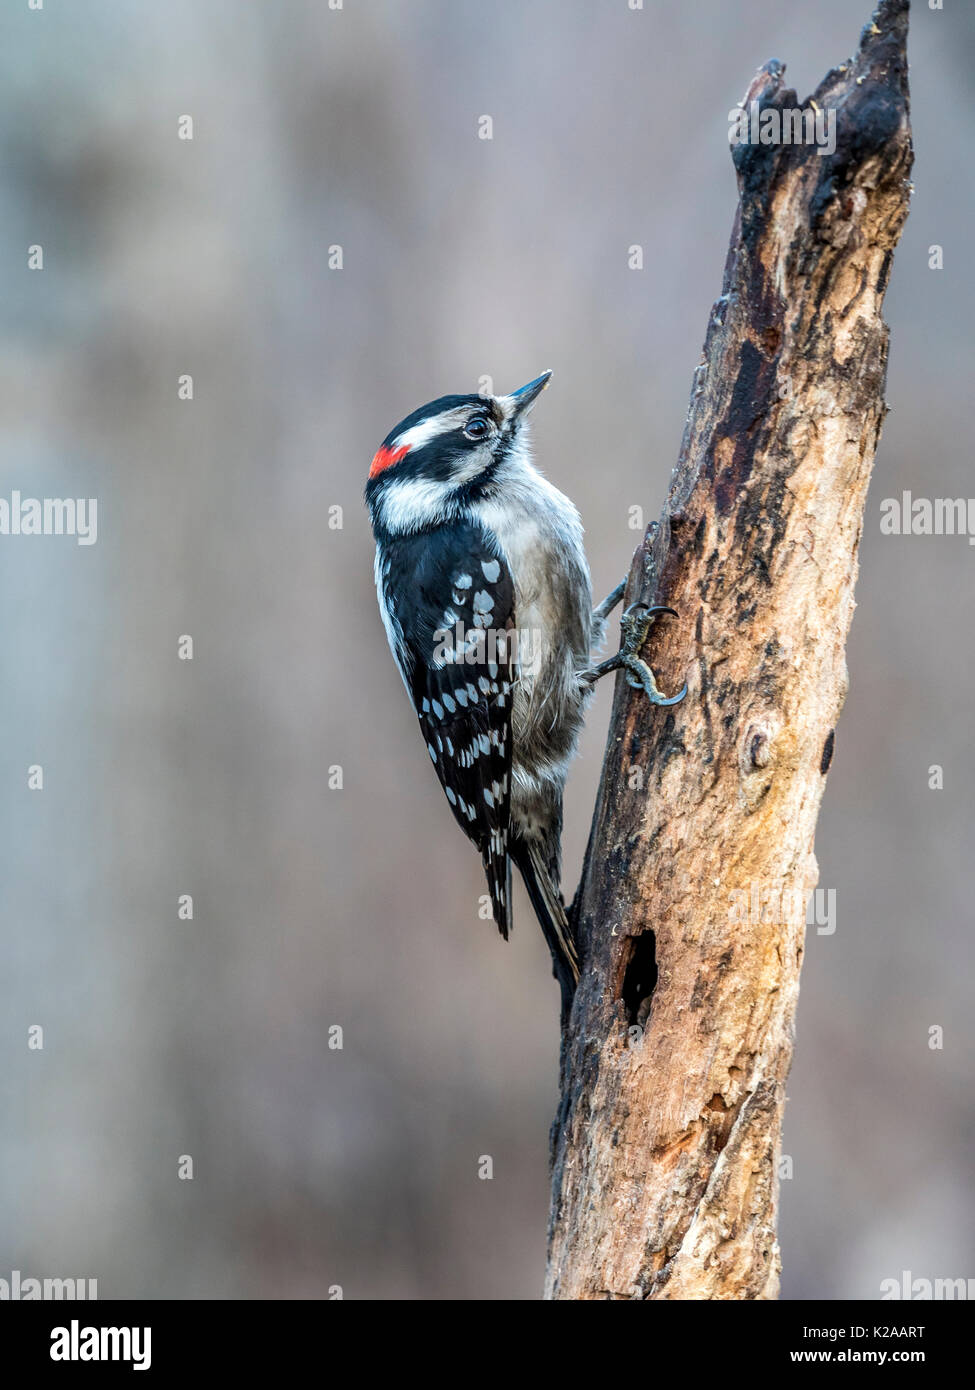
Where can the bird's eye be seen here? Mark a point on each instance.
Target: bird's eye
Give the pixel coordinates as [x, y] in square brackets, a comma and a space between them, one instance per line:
[477, 428]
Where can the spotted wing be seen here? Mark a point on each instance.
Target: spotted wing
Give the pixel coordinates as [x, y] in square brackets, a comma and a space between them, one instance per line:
[462, 666]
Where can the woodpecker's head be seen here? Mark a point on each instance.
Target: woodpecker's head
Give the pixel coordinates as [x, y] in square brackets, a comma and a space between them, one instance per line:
[445, 455]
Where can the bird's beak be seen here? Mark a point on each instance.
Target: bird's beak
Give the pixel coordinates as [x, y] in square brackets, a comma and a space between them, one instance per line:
[522, 400]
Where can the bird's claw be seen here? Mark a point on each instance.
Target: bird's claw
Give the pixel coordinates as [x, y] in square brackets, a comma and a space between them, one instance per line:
[640, 676]
[635, 625]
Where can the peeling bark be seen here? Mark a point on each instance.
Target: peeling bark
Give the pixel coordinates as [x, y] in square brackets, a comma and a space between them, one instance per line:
[666, 1146]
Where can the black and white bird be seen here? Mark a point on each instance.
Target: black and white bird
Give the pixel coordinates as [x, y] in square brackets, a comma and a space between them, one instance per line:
[485, 595]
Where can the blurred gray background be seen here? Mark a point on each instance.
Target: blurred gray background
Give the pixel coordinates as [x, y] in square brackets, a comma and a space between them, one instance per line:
[358, 907]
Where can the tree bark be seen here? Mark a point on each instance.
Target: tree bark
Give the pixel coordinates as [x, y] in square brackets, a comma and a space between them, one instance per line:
[691, 909]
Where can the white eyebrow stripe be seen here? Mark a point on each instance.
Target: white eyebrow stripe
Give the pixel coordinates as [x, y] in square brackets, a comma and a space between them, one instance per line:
[418, 435]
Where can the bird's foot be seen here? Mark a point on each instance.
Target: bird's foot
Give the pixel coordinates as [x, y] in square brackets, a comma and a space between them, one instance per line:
[635, 625]
[602, 610]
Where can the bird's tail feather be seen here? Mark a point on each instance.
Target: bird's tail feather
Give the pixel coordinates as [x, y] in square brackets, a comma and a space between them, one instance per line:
[550, 911]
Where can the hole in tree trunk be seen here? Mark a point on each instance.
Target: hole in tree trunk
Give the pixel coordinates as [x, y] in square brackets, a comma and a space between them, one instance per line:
[640, 978]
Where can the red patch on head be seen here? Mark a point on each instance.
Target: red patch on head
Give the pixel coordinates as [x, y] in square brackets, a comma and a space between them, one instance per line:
[385, 458]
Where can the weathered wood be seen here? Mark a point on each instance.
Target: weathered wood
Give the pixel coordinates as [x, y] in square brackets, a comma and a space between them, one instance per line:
[675, 1058]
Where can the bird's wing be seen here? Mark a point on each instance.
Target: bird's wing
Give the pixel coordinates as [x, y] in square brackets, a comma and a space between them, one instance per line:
[459, 637]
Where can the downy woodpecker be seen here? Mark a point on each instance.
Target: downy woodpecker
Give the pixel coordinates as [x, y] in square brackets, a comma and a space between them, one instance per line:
[484, 592]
